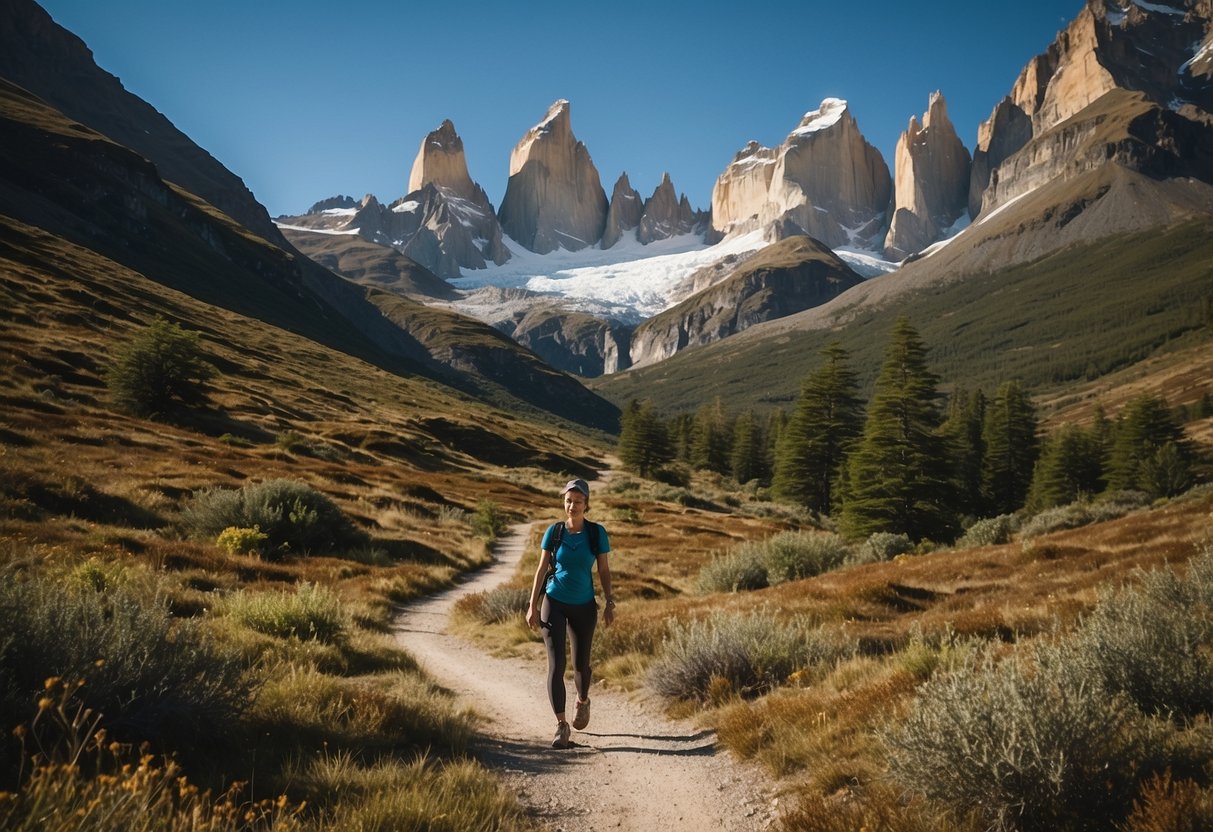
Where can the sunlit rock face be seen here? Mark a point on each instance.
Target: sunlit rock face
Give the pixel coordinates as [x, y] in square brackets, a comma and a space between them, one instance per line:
[825, 180]
[554, 197]
[1164, 52]
[931, 184]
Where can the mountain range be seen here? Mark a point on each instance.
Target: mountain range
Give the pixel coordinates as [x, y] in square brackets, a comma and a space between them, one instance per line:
[1104, 143]
[1122, 93]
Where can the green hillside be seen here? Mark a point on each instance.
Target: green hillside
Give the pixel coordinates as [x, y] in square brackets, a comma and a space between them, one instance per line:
[1070, 316]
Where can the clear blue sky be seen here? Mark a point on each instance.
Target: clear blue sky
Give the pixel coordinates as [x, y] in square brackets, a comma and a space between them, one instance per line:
[304, 99]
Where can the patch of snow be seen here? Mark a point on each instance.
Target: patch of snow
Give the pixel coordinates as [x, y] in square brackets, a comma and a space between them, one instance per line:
[825, 116]
[1158, 7]
[633, 280]
[338, 232]
[866, 263]
[340, 212]
[406, 207]
[983, 217]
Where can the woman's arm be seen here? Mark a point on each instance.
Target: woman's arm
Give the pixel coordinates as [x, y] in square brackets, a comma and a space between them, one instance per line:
[604, 579]
[541, 571]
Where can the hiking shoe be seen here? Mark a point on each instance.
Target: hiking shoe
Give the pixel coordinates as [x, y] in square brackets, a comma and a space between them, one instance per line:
[561, 740]
[581, 714]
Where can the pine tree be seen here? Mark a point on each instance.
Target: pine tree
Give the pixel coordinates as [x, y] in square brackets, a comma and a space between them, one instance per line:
[1011, 449]
[814, 443]
[747, 459]
[710, 440]
[644, 442]
[1070, 468]
[1145, 426]
[898, 477]
[962, 430]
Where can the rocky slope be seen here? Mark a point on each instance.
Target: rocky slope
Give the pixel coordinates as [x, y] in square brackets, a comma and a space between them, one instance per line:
[60, 178]
[825, 181]
[38, 54]
[369, 264]
[792, 275]
[1160, 51]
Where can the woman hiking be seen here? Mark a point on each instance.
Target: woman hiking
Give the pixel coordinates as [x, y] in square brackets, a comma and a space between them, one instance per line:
[562, 601]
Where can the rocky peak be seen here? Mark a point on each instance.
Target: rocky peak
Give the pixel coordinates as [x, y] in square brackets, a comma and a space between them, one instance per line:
[825, 180]
[440, 161]
[624, 212]
[665, 215]
[333, 203]
[932, 181]
[1159, 50]
[554, 197]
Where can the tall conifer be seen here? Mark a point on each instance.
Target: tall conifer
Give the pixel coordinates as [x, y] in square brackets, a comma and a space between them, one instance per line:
[962, 431]
[1069, 468]
[898, 477]
[1144, 429]
[1011, 449]
[644, 442]
[813, 445]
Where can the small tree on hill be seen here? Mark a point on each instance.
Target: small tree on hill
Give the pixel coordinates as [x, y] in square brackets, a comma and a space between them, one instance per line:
[748, 457]
[962, 432]
[813, 446]
[710, 439]
[644, 442]
[1144, 429]
[1070, 468]
[1011, 448]
[161, 366]
[899, 477]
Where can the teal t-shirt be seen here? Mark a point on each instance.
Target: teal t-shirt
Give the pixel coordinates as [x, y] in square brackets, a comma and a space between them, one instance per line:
[573, 582]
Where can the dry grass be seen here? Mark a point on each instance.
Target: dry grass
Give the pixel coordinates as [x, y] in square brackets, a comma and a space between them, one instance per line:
[408, 461]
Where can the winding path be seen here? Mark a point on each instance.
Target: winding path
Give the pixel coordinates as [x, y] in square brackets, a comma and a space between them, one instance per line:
[631, 769]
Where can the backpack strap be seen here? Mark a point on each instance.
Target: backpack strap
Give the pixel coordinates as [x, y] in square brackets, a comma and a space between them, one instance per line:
[553, 544]
[594, 536]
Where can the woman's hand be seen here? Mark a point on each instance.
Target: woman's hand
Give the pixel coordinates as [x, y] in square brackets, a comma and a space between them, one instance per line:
[608, 614]
[532, 617]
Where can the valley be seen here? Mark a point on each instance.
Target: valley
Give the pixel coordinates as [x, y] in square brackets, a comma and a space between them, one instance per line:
[908, 470]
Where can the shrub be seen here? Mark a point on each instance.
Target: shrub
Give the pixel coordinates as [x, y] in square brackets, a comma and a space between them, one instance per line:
[150, 676]
[1055, 519]
[118, 790]
[310, 612]
[293, 516]
[424, 795]
[496, 605]
[1168, 805]
[1108, 507]
[881, 546]
[736, 654]
[1029, 743]
[1154, 641]
[991, 531]
[791, 556]
[739, 570]
[488, 521]
[161, 365]
[239, 541]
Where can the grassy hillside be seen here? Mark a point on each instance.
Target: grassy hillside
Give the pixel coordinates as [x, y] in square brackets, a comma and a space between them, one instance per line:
[1071, 316]
[95, 509]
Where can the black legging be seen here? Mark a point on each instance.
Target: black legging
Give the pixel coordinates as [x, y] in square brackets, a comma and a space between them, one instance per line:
[558, 616]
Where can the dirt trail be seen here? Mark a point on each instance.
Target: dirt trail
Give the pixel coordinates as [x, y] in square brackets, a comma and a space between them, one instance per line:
[630, 769]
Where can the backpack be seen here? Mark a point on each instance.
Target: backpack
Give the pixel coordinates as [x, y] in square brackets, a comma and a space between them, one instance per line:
[593, 532]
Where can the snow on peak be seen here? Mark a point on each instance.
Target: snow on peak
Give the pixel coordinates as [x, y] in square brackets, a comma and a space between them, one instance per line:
[825, 116]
